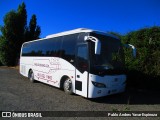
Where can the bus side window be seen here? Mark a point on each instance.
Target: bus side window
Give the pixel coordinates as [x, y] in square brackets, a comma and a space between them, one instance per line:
[68, 48]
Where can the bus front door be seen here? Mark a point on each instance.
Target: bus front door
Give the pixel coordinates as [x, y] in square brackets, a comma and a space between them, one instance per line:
[81, 81]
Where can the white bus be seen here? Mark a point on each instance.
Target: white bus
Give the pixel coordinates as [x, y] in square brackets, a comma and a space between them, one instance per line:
[82, 61]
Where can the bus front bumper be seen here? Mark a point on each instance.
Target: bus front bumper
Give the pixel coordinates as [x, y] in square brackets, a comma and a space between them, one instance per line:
[113, 85]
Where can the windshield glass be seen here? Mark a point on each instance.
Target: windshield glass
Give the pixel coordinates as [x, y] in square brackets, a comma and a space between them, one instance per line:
[111, 56]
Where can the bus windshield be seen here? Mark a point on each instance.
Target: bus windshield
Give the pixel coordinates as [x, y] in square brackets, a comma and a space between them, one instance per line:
[111, 57]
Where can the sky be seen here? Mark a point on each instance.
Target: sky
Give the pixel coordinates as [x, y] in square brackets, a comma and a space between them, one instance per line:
[120, 16]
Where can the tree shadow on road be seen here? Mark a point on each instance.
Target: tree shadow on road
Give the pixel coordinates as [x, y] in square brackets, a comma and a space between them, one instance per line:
[131, 97]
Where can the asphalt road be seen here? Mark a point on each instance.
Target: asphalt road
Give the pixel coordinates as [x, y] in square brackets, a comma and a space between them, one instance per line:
[17, 93]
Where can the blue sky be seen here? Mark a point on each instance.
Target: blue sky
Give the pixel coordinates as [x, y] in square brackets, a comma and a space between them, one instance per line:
[120, 16]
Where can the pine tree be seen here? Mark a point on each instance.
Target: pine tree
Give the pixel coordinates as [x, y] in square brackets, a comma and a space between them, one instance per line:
[14, 33]
[33, 31]
[9, 38]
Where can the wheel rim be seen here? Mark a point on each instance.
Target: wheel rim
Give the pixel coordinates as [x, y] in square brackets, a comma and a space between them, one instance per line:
[68, 85]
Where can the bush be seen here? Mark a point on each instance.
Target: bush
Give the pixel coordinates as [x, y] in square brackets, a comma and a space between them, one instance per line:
[144, 71]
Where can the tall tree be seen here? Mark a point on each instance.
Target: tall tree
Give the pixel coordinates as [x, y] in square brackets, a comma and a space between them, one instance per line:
[14, 33]
[33, 31]
[9, 38]
[22, 20]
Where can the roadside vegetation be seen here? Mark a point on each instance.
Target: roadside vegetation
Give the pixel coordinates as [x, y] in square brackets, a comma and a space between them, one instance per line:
[143, 71]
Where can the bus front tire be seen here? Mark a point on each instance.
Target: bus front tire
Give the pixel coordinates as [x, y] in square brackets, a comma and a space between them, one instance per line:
[31, 76]
[67, 86]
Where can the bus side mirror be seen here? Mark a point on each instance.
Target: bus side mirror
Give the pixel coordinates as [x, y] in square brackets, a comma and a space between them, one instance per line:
[97, 47]
[97, 42]
[133, 49]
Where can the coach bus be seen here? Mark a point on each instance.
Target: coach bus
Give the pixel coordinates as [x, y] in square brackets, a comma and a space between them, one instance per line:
[86, 62]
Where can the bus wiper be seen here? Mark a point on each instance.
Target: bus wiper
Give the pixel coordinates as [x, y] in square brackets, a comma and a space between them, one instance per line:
[104, 67]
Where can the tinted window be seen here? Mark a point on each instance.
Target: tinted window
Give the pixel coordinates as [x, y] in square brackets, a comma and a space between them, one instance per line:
[68, 47]
[111, 57]
[52, 47]
[49, 47]
[56, 47]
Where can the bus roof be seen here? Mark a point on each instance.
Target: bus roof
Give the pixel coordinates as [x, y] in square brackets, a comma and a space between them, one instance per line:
[79, 30]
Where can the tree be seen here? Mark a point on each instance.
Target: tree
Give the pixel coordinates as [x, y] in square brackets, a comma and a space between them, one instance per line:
[14, 33]
[144, 71]
[33, 31]
[9, 38]
[22, 22]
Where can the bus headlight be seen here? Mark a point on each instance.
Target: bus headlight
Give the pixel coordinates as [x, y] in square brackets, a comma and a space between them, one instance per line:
[100, 85]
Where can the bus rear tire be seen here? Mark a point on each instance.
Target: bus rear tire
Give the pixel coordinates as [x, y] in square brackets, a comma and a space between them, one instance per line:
[31, 76]
[67, 86]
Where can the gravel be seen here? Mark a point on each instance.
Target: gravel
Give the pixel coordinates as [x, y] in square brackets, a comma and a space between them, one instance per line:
[17, 93]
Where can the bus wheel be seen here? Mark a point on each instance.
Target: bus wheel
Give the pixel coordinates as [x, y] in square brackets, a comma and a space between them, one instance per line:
[31, 76]
[67, 86]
